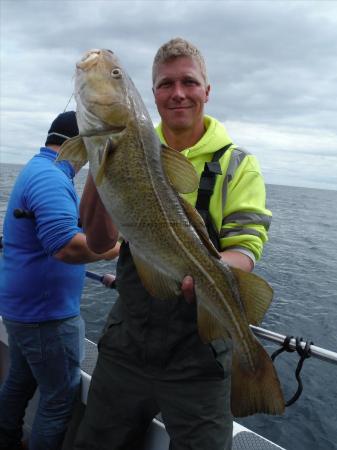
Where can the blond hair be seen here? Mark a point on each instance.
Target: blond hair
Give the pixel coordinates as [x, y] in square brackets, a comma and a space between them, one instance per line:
[173, 49]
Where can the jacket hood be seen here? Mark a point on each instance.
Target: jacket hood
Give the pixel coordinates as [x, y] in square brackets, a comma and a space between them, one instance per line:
[215, 138]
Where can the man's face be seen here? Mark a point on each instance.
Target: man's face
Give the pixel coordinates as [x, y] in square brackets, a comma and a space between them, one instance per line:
[180, 94]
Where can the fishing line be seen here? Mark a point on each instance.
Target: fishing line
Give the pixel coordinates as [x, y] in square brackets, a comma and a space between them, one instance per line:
[72, 95]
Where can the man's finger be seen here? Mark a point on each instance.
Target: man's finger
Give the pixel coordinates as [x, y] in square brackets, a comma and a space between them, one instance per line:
[187, 288]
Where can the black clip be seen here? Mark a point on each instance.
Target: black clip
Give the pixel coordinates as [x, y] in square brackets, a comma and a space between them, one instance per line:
[22, 214]
[19, 213]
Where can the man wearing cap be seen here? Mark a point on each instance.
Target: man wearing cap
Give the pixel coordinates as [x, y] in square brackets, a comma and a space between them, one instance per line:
[44, 252]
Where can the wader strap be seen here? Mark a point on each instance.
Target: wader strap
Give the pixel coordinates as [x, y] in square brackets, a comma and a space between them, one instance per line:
[205, 192]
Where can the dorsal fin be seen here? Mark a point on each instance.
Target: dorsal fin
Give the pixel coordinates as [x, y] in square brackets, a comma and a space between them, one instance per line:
[180, 172]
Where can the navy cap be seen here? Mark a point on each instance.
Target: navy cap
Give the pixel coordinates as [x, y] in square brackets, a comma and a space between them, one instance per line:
[62, 128]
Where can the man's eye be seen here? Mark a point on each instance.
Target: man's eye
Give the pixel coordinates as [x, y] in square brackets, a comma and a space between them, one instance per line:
[191, 83]
[165, 84]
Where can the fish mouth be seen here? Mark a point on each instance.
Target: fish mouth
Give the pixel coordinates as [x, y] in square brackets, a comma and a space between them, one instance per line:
[91, 57]
[88, 60]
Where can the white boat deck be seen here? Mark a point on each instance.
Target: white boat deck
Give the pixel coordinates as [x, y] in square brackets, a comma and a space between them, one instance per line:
[157, 439]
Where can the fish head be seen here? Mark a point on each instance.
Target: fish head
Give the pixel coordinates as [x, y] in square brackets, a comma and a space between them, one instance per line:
[101, 93]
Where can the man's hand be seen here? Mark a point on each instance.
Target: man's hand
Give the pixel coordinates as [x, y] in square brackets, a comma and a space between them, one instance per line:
[108, 279]
[187, 288]
[232, 258]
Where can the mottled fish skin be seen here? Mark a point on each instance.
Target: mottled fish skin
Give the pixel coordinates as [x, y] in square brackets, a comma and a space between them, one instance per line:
[126, 160]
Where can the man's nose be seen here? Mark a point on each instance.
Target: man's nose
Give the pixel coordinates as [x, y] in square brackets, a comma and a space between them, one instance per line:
[178, 91]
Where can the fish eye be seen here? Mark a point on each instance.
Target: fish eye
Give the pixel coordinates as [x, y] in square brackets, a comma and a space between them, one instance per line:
[116, 73]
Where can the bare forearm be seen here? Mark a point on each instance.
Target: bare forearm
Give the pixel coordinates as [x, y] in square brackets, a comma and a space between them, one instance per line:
[100, 231]
[77, 252]
[238, 260]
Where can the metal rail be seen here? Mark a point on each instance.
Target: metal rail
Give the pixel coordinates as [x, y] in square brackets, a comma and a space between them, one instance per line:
[318, 352]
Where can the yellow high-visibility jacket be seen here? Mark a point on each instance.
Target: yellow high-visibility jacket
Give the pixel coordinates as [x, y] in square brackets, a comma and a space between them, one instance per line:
[238, 204]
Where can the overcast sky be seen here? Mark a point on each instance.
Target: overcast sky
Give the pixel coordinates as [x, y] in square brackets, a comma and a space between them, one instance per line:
[272, 67]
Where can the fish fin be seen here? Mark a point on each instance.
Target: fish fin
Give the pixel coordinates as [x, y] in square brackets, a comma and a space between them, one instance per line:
[208, 327]
[180, 172]
[111, 144]
[107, 153]
[74, 151]
[255, 392]
[157, 283]
[255, 293]
[199, 226]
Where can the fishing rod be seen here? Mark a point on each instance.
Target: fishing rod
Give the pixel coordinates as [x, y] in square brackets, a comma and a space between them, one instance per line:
[100, 278]
[280, 339]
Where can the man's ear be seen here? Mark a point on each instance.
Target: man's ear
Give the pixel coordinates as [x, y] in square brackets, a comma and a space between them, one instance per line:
[208, 89]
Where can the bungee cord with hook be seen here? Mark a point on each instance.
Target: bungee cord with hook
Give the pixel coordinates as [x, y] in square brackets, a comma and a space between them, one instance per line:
[304, 353]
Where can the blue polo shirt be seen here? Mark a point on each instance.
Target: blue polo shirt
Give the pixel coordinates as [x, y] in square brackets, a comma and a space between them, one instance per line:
[34, 286]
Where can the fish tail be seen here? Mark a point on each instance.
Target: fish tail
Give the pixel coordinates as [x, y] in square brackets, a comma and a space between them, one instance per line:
[256, 391]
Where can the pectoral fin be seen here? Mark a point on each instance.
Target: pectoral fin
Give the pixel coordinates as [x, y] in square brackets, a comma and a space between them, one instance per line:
[255, 293]
[156, 282]
[180, 172]
[74, 151]
[107, 154]
[110, 146]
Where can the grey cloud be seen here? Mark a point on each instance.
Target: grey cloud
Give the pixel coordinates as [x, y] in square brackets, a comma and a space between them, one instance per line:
[272, 63]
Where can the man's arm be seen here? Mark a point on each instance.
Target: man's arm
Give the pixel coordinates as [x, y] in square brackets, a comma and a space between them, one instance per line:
[101, 233]
[246, 219]
[238, 260]
[77, 252]
[253, 200]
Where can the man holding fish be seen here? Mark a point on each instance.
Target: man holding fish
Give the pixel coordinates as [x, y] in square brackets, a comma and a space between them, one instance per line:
[177, 341]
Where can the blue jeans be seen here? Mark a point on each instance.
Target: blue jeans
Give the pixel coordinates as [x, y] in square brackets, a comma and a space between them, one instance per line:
[46, 355]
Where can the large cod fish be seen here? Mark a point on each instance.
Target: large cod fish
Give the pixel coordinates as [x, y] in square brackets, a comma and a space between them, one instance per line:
[140, 182]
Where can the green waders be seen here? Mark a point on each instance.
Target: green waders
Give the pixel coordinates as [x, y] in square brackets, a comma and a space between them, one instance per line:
[152, 360]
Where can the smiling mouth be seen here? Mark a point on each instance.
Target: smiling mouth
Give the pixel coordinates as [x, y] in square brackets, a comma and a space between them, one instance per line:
[180, 107]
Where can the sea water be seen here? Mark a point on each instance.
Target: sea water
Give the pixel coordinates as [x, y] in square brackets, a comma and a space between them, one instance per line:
[300, 262]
